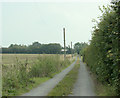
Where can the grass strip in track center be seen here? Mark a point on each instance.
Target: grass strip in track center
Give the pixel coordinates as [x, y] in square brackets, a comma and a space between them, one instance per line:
[64, 88]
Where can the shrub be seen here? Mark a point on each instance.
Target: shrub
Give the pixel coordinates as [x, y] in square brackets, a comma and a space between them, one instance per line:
[103, 53]
[47, 65]
[21, 75]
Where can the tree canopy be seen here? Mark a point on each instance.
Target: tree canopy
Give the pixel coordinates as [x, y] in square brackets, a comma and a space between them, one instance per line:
[79, 47]
[35, 48]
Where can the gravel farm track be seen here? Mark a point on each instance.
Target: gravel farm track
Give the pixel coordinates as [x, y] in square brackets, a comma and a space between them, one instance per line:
[84, 85]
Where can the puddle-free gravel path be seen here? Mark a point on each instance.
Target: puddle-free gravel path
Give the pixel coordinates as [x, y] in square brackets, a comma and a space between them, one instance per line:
[84, 85]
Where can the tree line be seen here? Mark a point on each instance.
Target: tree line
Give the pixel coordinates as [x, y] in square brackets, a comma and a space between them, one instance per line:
[38, 48]
[35, 48]
[103, 53]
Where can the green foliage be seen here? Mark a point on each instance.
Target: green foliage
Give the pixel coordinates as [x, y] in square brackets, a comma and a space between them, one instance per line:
[36, 48]
[21, 75]
[79, 47]
[103, 53]
[46, 66]
[13, 77]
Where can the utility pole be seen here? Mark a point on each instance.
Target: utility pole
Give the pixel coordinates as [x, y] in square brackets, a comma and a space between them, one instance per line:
[64, 44]
[71, 50]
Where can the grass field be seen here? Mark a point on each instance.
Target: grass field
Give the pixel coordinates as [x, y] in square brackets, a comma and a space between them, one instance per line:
[9, 59]
[21, 72]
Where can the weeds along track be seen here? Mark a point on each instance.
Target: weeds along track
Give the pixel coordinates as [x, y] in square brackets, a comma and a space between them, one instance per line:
[45, 88]
[20, 75]
[64, 87]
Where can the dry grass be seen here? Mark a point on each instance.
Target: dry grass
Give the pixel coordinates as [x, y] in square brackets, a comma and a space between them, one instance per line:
[18, 69]
[14, 59]
[69, 56]
[10, 59]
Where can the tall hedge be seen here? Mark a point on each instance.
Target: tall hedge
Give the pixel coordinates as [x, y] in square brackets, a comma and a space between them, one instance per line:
[103, 53]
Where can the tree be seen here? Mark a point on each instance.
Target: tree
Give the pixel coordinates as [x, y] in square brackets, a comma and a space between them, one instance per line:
[79, 46]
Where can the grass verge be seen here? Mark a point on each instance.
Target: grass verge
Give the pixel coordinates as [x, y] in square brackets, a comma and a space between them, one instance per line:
[100, 88]
[36, 81]
[105, 90]
[65, 87]
[21, 78]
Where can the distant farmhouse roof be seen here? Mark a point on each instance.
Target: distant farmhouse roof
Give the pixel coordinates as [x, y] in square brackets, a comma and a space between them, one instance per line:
[63, 49]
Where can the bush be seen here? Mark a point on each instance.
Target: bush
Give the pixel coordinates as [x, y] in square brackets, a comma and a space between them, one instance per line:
[47, 65]
[14, 77]
[103, 53]
[21, 75]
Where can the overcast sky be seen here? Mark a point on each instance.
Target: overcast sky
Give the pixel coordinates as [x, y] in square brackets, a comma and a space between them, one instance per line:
[27, 22]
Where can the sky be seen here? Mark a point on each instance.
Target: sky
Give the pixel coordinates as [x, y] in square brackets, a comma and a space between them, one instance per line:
[32, 20]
